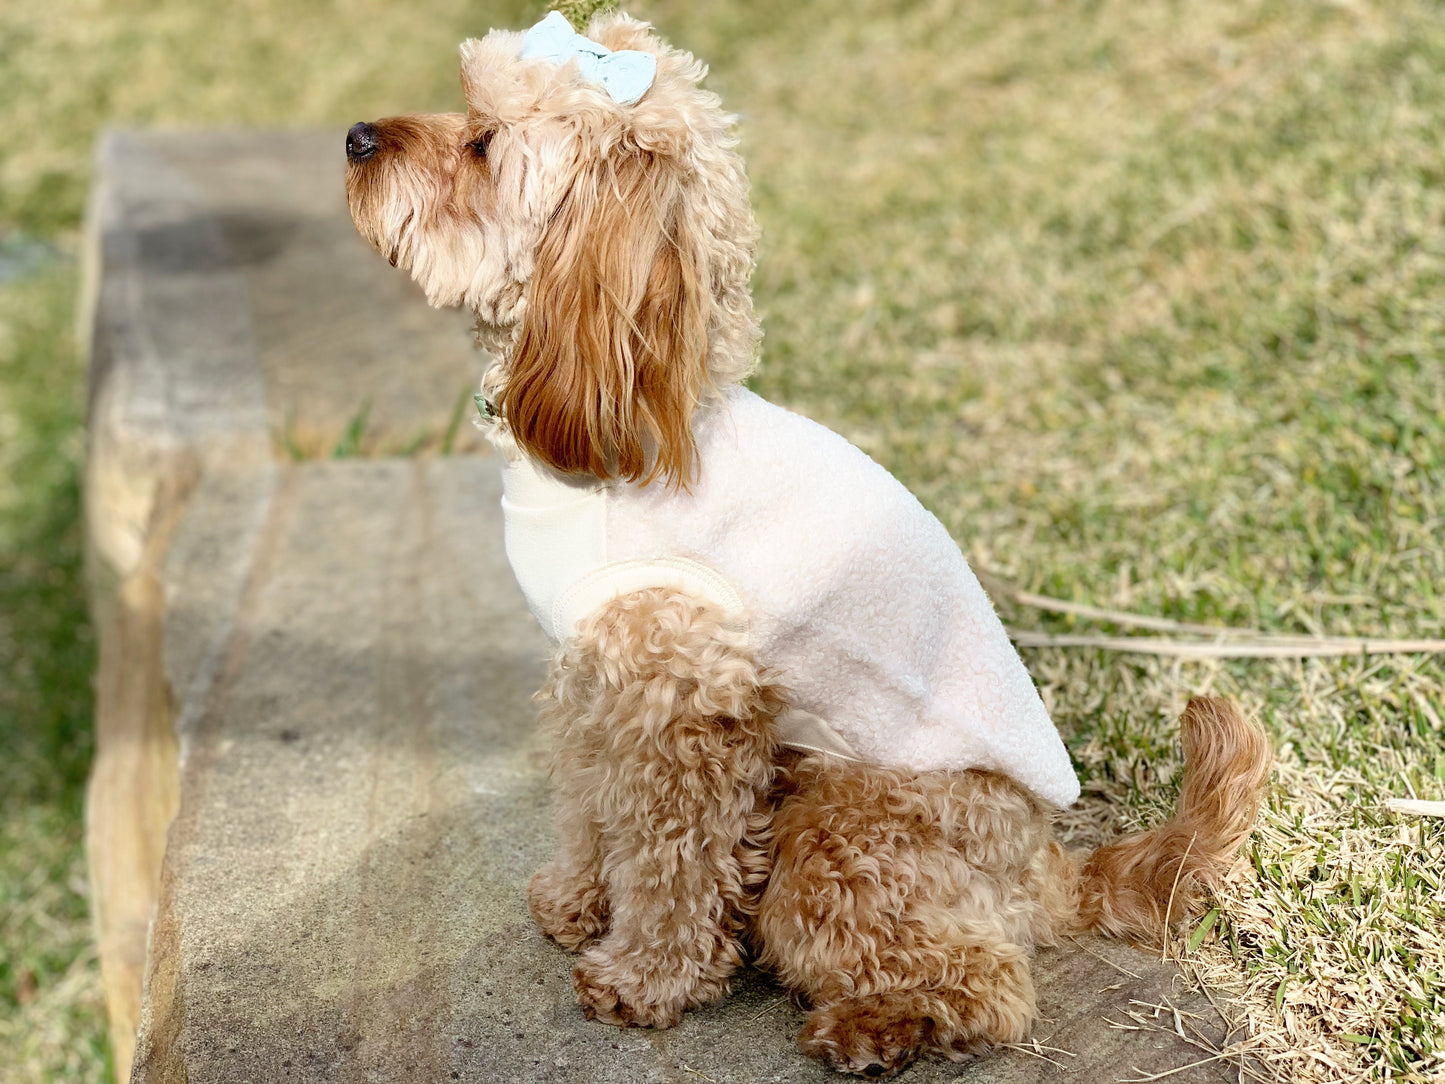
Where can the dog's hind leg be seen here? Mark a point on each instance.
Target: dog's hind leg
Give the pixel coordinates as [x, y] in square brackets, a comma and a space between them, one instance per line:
[900, 904]
[978, 996]
[666, 732]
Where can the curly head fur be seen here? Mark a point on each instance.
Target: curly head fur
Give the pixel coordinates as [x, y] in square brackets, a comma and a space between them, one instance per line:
[604, 248]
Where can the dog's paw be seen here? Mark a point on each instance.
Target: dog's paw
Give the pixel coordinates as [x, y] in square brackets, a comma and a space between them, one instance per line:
[868, 1036]
[633, 990]
[611, 994]
[570, 911]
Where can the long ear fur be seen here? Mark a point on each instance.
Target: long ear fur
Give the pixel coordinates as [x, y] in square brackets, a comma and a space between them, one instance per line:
[611, 356]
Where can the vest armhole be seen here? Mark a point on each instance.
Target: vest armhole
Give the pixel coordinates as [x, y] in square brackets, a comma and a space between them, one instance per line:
[591, 592]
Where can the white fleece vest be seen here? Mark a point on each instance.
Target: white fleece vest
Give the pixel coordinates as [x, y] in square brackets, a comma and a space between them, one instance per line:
[847, 587]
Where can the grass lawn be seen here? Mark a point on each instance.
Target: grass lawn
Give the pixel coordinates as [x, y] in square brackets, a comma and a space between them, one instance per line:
[1146, 300]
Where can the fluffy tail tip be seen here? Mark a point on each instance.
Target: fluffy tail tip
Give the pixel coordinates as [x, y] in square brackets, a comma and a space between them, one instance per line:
[1142, 885]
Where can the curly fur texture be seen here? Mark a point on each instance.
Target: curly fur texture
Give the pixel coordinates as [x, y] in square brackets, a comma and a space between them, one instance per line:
[606, 251]
[662, 727]
[905, 906]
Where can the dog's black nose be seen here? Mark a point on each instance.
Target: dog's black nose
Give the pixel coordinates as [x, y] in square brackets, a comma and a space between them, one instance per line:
[360, 142]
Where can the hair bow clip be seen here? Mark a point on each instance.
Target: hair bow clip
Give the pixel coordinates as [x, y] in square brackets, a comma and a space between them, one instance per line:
[625, 74]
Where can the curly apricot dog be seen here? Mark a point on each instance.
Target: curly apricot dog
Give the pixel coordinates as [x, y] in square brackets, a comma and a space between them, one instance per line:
[783, 708]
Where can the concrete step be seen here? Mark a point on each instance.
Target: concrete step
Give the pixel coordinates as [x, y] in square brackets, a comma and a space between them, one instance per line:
[318, 783]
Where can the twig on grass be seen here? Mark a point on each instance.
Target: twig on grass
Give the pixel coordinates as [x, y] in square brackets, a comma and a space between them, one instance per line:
[1002, 588]
[1272, 647]
[1225, 642]
[1415, 807]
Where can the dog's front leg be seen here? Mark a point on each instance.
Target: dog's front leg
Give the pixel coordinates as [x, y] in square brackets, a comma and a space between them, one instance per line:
[567, 897]
[665, 724]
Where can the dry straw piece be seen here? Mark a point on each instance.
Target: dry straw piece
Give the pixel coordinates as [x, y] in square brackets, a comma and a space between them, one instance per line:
[1411, 807]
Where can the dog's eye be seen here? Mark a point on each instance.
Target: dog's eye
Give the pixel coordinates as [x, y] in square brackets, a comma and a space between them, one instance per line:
[480, 144]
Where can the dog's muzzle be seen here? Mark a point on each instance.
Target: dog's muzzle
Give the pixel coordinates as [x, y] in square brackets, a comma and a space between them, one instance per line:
[360, 142]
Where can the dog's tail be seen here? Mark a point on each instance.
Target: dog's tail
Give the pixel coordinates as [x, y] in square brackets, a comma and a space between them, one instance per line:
[1139, 887]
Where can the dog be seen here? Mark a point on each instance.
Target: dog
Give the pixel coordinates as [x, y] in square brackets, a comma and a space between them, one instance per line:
[786, 720]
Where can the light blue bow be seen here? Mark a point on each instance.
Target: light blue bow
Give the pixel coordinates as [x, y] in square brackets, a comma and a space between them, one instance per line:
[625, 75]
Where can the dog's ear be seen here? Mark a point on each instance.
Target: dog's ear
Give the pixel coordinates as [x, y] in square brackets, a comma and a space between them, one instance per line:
[611, 354]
